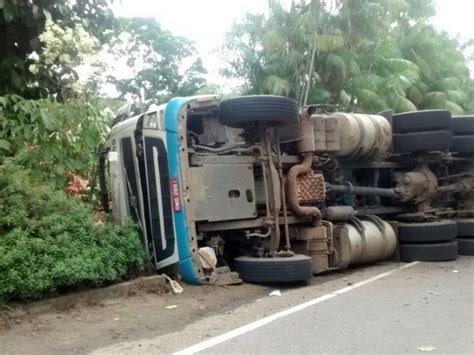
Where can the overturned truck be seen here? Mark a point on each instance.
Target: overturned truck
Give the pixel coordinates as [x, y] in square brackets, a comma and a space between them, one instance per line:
[279, 193]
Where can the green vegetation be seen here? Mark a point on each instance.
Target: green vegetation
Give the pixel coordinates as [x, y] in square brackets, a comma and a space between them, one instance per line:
[157, 59]
[50, 242]
[22, 22]
[364, 55]
[52, 138]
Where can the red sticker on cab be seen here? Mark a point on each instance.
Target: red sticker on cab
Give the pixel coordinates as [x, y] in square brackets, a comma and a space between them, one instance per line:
[175, 198]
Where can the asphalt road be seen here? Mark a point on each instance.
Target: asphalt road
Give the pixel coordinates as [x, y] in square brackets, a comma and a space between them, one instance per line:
[392, 310]
[423, 306]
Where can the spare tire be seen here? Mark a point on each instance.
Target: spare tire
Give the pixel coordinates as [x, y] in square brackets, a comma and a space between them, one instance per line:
[462, 144]
[272, 110]
[422, 141]
[466, 246]
[428, 120]
[465, 227]
[427, 231]
[462, 125]
[429, 252]
[268, 270]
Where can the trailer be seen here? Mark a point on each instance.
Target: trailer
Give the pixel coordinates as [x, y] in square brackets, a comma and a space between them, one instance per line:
[279, 193]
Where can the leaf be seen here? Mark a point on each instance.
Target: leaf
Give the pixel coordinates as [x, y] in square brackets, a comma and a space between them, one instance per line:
[400, 65]
[8, 12]
[328, 43]
[454, 108]
[47, 120]
[15, 79]
[276, 85]
[448, 84]
[435, 99]
[335, 61]
[273, 40]
[415, 95]
[47, 14]
[457, 96]
[5, 145]
[404, 105]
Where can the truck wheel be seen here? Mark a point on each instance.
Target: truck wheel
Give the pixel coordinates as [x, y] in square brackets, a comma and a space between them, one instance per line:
[427, 232]
[273, 110]
[429, 252]
[465, 227]
[269, 270]
[428, 120]
[462, 125]
[422, 141]
[466, 246]
[463, 144]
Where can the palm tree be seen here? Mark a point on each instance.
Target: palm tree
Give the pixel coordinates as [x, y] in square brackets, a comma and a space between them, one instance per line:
[364, 55]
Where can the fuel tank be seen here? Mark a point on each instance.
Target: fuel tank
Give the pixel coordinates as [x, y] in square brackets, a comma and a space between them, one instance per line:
[364, 241]
[362, 136]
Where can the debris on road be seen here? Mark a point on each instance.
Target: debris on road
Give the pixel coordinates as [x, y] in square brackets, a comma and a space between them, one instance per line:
[175, 286]
[208, 258]
[427, 348]
[222, 276]
[173, 306]
[275, 293]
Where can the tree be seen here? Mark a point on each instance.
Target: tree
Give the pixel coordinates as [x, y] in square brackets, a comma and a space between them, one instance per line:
[21, 24]
[158, 61]
[360, 54]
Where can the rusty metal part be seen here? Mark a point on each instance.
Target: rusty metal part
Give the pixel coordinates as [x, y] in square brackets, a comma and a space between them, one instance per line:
[339, 213]
[418, 186]
[274, 188]
[311, 232]
[311, 188]
[348, 188]
[318, 246]
[466, 184]
[247, 224]
[283, 194]
[306, 133]
[292, 190]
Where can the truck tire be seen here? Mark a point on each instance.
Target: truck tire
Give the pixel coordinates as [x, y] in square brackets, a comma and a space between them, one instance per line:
[429, 252]
[272, 110]
[425, 232]
[465, 227]
[466, 246]
[422, 141]
[462, 125]
[428, 120]
[270, 270]
[462, 144]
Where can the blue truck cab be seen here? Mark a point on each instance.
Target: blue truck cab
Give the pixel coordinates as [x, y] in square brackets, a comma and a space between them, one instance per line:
[147, 184]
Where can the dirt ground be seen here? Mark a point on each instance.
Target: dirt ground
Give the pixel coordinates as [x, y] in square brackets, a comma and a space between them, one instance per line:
[142, 315]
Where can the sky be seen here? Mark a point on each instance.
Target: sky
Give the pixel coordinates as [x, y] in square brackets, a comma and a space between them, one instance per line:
[206, 21]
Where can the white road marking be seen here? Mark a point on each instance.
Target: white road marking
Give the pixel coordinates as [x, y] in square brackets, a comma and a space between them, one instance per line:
[264, 321]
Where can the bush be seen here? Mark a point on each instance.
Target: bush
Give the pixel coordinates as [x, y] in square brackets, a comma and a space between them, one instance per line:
[52, 138]
[50, 242]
